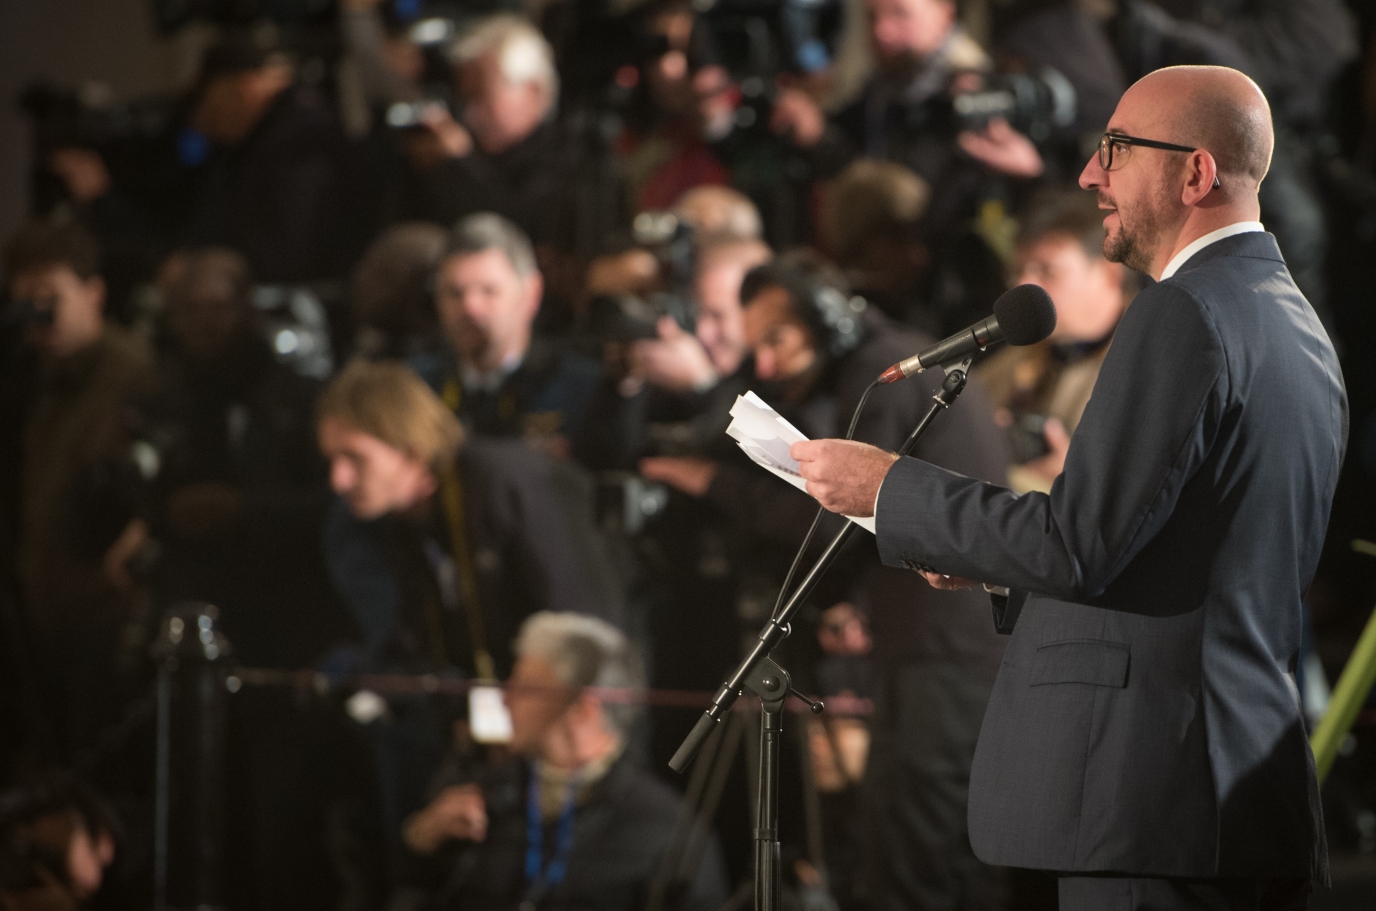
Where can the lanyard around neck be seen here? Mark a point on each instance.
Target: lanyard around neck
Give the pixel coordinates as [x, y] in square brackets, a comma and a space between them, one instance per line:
[539, 877]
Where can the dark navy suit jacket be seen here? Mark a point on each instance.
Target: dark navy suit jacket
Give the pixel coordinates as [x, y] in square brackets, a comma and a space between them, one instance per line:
[1145, 719]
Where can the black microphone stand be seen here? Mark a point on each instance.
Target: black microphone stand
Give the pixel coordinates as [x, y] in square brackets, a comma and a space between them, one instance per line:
[772, 684]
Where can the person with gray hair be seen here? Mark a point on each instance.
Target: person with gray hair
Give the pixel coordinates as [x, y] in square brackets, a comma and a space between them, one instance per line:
[507, 152]
[572, 822]
[497, 376]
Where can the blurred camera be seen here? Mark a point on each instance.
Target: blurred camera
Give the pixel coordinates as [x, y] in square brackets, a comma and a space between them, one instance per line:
[1034, 104]
[407, 115]
[1027, 437]
[29, 312]
[630, 318]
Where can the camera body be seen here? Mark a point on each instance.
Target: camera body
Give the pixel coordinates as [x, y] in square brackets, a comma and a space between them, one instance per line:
[1035, 104]
[629, 317]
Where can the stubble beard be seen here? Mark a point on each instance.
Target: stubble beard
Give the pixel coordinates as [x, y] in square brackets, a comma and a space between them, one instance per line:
[1139, 232]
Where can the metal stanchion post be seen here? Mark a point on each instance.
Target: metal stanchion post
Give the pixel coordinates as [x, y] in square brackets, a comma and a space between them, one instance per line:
[189, 803]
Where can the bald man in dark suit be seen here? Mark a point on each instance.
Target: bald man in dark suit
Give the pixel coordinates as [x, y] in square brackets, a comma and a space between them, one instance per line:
[1145, 739]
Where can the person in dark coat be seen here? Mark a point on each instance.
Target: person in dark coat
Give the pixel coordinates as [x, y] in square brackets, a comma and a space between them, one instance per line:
[269, 166]
[572, 823]
[816, 349]
[71, 395]
[904, 114]
[1146, 738]
[508, 153]
[234, 489]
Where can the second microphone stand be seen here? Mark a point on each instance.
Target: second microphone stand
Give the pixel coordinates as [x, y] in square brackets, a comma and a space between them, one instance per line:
[772, 684]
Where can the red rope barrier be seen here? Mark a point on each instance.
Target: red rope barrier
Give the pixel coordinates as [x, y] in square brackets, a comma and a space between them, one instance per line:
[433, 684]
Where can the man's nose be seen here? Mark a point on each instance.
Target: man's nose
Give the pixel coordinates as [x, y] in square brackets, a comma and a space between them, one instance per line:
[1093, 176]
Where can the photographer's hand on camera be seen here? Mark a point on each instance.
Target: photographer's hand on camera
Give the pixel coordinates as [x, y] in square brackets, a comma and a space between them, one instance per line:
[798, 117]
[116, 563]
[83, 172]
[1048, 467]
[686, 475]
[676, 361]
[442, 139]
[459, 812]
[1003, 149]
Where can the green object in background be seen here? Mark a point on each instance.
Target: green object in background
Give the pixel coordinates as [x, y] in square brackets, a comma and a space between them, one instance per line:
[1349, 694]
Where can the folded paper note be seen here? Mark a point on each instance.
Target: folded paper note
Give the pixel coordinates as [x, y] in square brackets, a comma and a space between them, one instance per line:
[766, 437]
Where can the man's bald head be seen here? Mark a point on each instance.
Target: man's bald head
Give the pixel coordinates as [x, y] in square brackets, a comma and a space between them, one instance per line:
[1214, 108]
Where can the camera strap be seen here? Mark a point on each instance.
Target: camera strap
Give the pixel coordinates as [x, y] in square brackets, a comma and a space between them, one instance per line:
[451, 497]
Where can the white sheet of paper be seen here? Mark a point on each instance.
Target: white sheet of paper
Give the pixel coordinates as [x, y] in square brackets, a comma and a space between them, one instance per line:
[488, 719]
[766, 437]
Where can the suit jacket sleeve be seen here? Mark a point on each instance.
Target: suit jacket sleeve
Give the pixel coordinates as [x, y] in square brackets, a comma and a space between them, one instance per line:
[1156, 410]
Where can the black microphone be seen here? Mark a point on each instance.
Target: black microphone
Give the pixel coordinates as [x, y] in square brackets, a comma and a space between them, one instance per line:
[1022, 316]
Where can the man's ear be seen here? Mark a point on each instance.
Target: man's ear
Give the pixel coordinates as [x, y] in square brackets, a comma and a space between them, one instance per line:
[1201, 175]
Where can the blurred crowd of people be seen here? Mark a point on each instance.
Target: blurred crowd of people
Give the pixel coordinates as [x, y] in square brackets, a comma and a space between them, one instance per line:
[420, 362]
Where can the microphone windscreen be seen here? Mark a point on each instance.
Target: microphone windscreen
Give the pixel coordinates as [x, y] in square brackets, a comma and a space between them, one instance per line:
[1026, 314]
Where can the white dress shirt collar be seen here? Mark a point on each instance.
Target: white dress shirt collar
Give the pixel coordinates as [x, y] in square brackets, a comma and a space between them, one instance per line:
[1199, 243]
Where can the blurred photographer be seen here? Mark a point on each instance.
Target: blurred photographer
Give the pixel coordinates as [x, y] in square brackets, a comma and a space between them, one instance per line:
[680, 382]
[872, 222]
[229, 483]
[270, 163]
[1041, 390]
[72, 395]
[494, 371]
[58, 839]
[680, 103]
[505, 151]
[571, 822]
[905, 113]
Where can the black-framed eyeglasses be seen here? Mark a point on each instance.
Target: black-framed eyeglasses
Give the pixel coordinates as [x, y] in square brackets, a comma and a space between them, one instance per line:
[1108, 141]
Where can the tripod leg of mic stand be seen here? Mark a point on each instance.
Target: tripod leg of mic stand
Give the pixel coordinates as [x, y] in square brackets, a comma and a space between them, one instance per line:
[771, 683]
[768, 877]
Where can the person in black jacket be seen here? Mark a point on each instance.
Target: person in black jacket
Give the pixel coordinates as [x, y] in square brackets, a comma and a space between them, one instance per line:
[816, 349]
[1146, 737]
[904, 114]
[507, 152]
[269, 166]
[573, 823]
